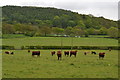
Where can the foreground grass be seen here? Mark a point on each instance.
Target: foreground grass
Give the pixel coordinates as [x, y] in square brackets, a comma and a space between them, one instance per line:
[56, 41]
[23, 65]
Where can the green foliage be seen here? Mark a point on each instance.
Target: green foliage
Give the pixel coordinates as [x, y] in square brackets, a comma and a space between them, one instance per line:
[103, 30]
[57, 30]
[113, 32]
[45, 30]
[17, 19]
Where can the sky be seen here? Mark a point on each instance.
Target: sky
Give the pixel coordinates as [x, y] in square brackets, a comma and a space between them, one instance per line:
[106, 8]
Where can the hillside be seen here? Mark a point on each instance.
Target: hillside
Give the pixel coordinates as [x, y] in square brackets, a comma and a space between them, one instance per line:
[51, 17]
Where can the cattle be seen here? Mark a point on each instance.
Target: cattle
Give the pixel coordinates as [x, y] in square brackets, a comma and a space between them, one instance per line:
[101, 55]
[110, 49]
[7, 52]
[73, 53]
[66, 53]
[85, 53]
[35, 53]
[28, 51]
[12, 53]
[53, 53]
[93, 52]
[59, 55]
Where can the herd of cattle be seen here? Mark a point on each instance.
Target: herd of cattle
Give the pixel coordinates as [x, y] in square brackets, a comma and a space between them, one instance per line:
[59, 53]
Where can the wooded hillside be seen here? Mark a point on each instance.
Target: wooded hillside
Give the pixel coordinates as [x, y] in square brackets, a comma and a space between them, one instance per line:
[41, 20]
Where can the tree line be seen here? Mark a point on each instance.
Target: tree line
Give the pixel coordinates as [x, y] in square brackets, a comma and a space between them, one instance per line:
[41, 21]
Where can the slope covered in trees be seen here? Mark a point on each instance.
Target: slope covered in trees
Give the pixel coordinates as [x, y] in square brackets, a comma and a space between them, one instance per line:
[36, 21]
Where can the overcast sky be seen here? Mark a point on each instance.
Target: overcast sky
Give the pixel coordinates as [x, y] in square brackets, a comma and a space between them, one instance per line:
[105, 8]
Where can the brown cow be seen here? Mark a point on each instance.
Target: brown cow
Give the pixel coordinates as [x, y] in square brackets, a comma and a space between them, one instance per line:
[36, 53]
[7, 52]
[53, 53]
[66, 53]
[59, 55]
[73, 53]
[101, 55]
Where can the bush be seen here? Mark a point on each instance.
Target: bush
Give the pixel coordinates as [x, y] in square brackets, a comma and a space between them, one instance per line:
[8, 47]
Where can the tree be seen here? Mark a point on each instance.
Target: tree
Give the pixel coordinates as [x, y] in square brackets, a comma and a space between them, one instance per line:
[78, 31]
[56, 21]
[57, 30]
[90, 31]
[71, 23]
[45, 30]
[103, 30]
[8, 29]
[68, 31]
[81, 24]
[113, 32]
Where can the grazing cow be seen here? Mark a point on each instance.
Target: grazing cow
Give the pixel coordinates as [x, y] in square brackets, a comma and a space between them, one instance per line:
[28, 51]
[101, 55]
[85, 53]
[12, 53]
[109, 49]
[93, 52]
[7, 52]
[53, 53]
[59, 55]
[73, 53]
[66, 53]
[36, 53]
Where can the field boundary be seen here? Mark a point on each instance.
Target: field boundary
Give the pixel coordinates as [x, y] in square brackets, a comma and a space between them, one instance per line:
[61, 47]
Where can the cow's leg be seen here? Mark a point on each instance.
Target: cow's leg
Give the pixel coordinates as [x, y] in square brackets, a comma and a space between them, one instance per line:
[58, 57]
[102, 57]
[67, 55]
[75, 55]
[99, 57]
[70, 55]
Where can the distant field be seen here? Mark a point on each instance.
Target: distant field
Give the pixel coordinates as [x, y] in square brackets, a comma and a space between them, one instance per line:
[13, 36]
[56, 41]
[23, 65]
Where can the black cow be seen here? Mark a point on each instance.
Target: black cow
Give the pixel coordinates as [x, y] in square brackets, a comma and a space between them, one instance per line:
[93, 52]
[101, 55]
[109, 49]
[53, 53]
[35, 53]
[12, 53]
[73, 53]
[28, 51]
[59, 55]
[66, 53]
[85, 53]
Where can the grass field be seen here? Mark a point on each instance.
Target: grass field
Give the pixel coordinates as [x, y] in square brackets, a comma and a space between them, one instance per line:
[56, 41]
[23, 65]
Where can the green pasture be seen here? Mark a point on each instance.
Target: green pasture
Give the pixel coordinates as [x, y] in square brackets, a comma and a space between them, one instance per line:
[56, 41]
[23, 65]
